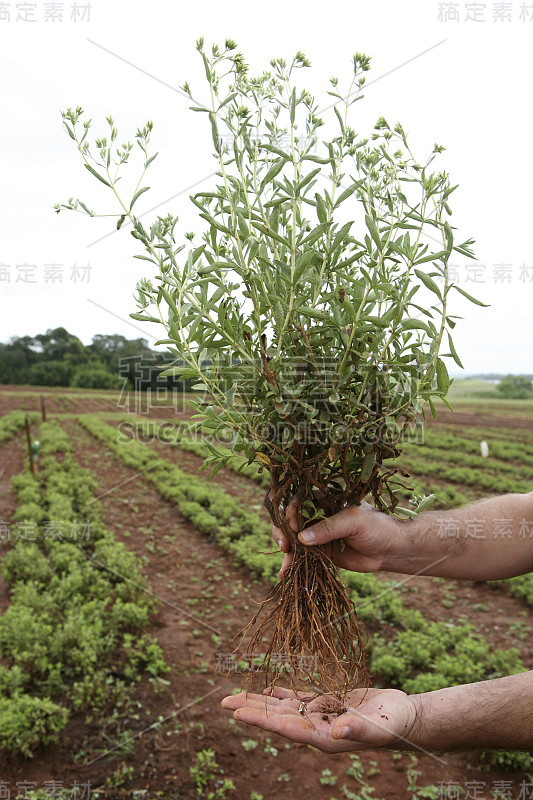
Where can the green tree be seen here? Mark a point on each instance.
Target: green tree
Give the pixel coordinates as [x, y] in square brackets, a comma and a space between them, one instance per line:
[516, 387]
[48, 373]
[59, 345]
[95, 376]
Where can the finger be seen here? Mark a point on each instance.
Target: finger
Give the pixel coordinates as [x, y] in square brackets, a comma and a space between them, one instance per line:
[258, 700]
[280, 540]
[327, 530]
[292, 514]
[292, 726]
[268, 708]
[287, 561]
[279, 691]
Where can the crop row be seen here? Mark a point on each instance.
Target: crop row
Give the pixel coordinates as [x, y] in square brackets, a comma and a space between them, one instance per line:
[12, 423]
[422, 655]
[522, 436]
[465, 477]
[172, 434]
[74, 622]
[502, 455]
[458, 456]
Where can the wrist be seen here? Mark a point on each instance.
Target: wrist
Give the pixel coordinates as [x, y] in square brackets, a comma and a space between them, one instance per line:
[407, 550]
[417, 737]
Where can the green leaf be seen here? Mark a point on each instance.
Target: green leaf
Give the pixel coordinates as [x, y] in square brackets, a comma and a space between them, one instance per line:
[87, 210]
[302, 263]
[321, 210]
[339, 117]
[347, 192]
[469, 297]
[307, 179]
[217, 225]
[317, 159]
[426, 502]
[368, 465]
[431, 257]
[120, 221]
[315, 234]
[276, 167]
[414, 324]
[405, 512]
[261, 227]
[138, 194]
[443, 379]
[169, 299]
[279, 316]
[96, 175]
[373, 229]
[341, 235]
[449, 237]
[454, 352]
[293, 105]
[428, 282]
[276, 150]
[150, 160]
[228, 99]
[313, 313]
[214, 131]
[144, 318]
[69, 130]
[217, 467]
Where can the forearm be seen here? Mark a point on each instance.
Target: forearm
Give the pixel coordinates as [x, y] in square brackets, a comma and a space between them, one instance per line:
[491, 539]
[491, 714]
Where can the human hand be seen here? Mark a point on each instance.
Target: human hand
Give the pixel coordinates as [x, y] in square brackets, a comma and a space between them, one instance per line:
[368, 536]
[373, 719]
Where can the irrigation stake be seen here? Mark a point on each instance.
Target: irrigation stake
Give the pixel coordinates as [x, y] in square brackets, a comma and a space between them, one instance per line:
[30, 452]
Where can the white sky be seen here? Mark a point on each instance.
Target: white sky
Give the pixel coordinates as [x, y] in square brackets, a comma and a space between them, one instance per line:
[465, 85]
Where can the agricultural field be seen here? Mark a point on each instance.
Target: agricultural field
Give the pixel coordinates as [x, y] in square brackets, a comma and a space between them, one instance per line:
[126, 574]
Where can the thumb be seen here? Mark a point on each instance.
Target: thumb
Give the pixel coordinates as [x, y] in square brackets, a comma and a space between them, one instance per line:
[351, 726]
[366, 729]
[326, 530]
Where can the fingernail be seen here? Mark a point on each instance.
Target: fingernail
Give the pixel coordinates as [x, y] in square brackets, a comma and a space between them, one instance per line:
[307, 536]
[345, 732]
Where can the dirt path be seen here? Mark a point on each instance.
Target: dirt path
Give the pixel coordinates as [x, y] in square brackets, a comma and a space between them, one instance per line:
[12, 455]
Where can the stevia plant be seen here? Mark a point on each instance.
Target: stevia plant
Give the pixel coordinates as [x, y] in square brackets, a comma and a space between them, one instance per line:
[312, 316]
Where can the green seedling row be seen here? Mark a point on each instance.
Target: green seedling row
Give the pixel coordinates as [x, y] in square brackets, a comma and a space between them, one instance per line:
[77, 606]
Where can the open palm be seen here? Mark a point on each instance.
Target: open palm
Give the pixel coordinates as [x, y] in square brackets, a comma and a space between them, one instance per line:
[375, 718]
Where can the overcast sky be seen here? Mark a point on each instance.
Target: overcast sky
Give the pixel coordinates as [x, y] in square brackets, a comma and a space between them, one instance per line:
[448, 78]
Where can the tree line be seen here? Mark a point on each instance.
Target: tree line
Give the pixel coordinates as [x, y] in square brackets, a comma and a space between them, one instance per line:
[58, 358]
